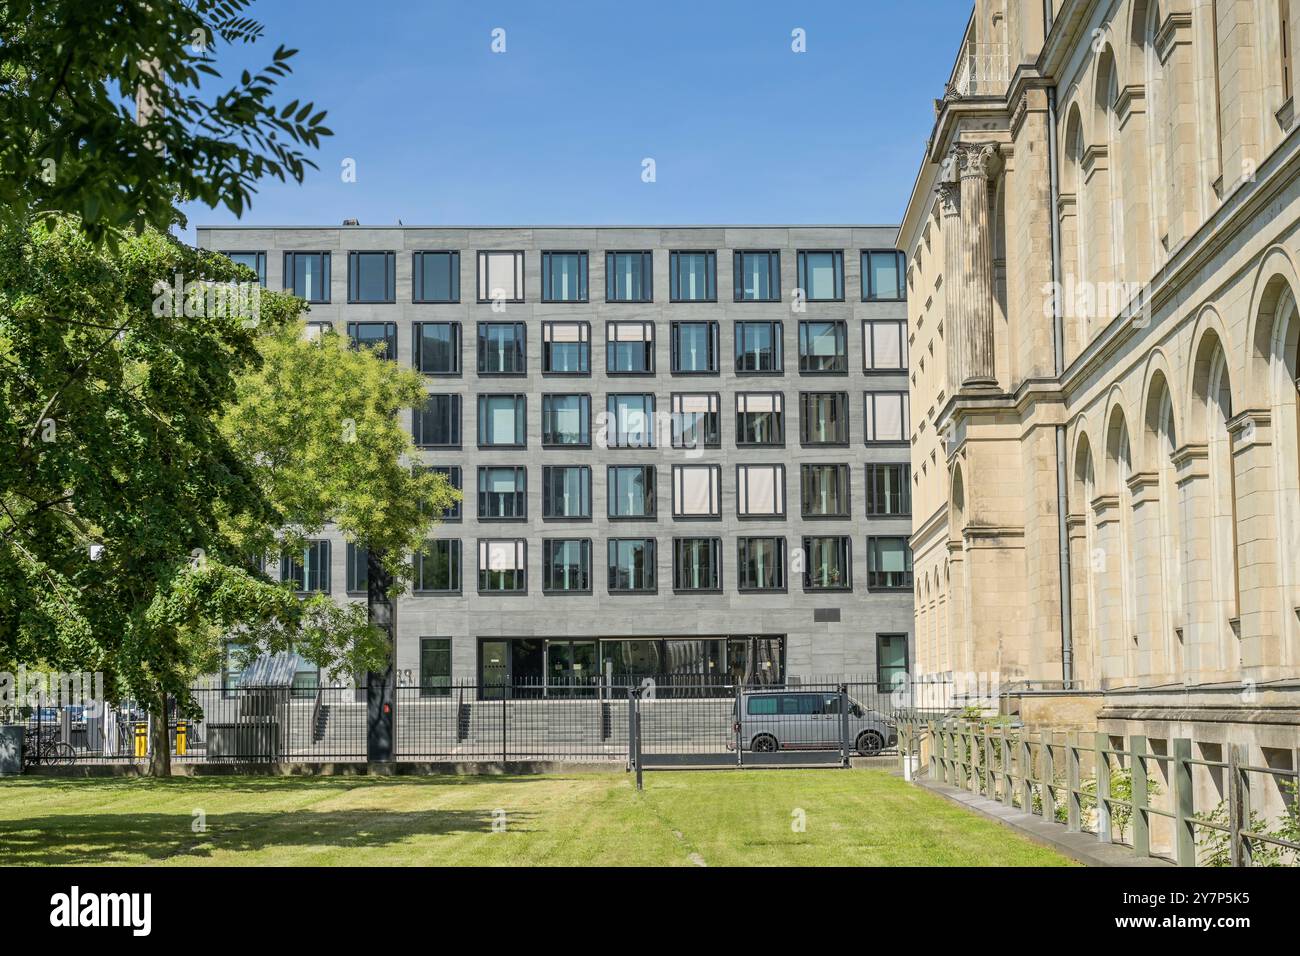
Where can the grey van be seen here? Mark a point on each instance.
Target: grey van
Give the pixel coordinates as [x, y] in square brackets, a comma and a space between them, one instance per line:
[770, 720]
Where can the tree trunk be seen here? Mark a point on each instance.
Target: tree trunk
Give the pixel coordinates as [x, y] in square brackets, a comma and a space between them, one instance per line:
[160, 745]
[380, 697]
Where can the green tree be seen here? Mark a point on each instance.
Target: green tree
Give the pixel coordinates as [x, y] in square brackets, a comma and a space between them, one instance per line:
[71, 72]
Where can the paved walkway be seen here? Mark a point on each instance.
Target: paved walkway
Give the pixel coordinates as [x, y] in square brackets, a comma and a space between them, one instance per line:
[1082, 847]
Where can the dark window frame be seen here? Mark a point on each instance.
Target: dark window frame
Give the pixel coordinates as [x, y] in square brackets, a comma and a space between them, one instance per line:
[652, 565]
[715, 513]
[710, 274]
[417, 347]
[801, 261]
[782, 485]
[651, 493]
[390, 337]
[873, 555]
[845, 477]
[521, 348]
[521, 420]
[322, 572]
[584, 409]
[428, 690]
[647, 275]
[869, 417]
[418, 296]
[868, 290]
[777, 331]
[874, 509]
[679, 552]
[357, 563]
[711, 439]
[519, 271]
[290, 261]
[613, 429]
[548, 511]
[806, 420]
[584, 341]
[456, 478]
[584, 276]
[844, 548]
[841, 357]
[650, 346]
[521, 555]
[455, 566]
[779, 420]
[782, 564]
[714, 347]
[455, 414]
[869, 347]
[738, 258]
[484, 496]
[390, 276]
[260, 268]
[548, 551]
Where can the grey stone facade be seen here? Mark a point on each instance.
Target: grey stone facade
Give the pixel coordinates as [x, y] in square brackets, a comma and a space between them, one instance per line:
[845, 646]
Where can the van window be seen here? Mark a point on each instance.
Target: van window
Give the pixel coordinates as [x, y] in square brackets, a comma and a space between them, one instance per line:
[762, 705]
[831, 704]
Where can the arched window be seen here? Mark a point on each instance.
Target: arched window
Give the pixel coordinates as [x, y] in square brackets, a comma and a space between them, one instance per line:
[1162, 433]
[1109, 194]
[1147, 26]
[1119, 450]
[1223, 515]
[1085, 491]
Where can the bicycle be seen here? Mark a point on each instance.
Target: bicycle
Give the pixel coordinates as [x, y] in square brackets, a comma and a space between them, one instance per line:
[46, 748]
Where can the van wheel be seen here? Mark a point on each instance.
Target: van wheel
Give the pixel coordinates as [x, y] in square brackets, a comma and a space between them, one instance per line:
[764, 744]
[870, 743]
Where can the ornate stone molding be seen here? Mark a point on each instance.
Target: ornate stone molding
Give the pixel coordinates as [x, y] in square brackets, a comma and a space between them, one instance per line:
[949, 199]
[977, 160]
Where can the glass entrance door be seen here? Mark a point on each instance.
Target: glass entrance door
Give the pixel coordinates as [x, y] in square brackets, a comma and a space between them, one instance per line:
[493, 668]
[572, 668]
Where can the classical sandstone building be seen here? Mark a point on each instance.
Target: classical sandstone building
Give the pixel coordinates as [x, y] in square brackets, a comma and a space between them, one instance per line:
[1102, 278]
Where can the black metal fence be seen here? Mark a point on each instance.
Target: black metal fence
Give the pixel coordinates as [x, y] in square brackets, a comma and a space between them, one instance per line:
[681, 720]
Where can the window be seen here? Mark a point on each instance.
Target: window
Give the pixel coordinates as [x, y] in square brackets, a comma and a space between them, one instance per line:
[697, 491]
[631, 491]
[891, 661]
[889, 564]
[696, 421]
[436, 347]
[502, 566]
[566, 421]
[695, 348]
[632, 565]
[760, 418]
[824, 491]
[758, 348]
[501, 421]
[501, 347]
[435, 276]
[454, 479]
[760, 491]
[760, 564]
[314, 331]
[693, 276]
[629, 348]
[437, 567]
[501, 277]
[824, 418]
[889, 492]
[437, 425]
[823, 347]
[308, 571]
[884, 345]
[251, 260]
[372, 277]
[631, 420]
[566, 565]
[377, 337]
[757, 276]
[307, 275]
[358, 570]
[821, 275]
[566, 492]
[566, 348]
[885, 415]
[564, 276]
[435, 667]
[697, 564]
[882, 275]
[628, 277]
[502, 493]
[826, 563]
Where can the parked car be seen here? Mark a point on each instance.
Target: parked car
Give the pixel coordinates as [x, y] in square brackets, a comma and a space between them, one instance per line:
[767, 721]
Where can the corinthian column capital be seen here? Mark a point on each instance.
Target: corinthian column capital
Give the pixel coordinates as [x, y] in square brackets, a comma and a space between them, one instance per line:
[977, 160]
[949, 199]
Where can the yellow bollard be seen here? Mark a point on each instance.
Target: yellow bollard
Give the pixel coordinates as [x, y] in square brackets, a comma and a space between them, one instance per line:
[141, 739]
[180, 738]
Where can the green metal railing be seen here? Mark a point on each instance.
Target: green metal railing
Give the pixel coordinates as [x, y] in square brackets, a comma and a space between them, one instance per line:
[1072, 779]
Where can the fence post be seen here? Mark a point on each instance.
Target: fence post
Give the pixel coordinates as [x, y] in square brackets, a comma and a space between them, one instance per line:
[1141, 803]
[504, 694]
[1026, 772]
[1101, 744]
[636, 737]
[1184, 804]
[844, 725]
[1238, 809]
[990, 782]
[1049, 776]
[935, 760]
[1004, 748]
[631, 730]
[1074, 804]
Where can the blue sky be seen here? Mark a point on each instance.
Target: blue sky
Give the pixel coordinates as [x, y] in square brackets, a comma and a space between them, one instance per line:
[554, 130]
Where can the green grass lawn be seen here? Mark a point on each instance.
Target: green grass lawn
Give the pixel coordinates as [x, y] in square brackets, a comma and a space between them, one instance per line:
[719, 818]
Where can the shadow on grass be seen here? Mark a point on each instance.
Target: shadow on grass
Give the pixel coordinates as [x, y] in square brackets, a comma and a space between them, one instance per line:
[102, 838]
[264, 784]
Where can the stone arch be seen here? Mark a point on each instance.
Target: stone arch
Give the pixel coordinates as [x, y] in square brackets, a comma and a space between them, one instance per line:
[1209, 335]
[1144, 62]
[1105, 201]
[1157, 388]
[1272, 299]
[957, 515]
[1115, 424]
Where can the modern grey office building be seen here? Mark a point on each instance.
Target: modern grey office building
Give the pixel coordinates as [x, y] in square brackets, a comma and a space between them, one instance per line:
[683, 450]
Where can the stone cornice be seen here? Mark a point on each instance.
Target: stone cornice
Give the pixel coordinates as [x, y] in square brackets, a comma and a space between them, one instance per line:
[1132, 101]
[1102, 505]
[1192, 451]
[1175, 31]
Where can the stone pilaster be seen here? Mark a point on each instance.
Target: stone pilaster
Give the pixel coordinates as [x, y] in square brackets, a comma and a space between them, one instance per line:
[976, 162]
[950, 211]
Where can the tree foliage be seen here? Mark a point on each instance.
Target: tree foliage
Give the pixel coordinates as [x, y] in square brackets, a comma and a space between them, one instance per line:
[70, 74]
